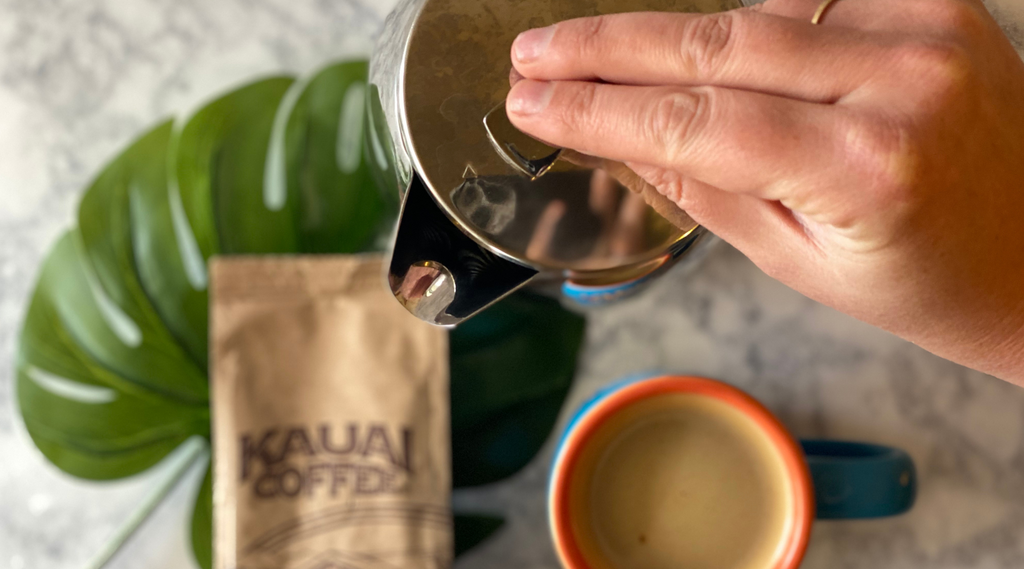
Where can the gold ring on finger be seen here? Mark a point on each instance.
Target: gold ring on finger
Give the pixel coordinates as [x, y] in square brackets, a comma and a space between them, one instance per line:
[822, 8]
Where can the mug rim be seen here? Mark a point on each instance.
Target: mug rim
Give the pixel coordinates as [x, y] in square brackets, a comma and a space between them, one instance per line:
[797, 532]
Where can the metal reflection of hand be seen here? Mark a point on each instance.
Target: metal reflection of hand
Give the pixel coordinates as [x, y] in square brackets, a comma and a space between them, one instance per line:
[635, 184]
[622, 215]
[418, 281]
[427, 289]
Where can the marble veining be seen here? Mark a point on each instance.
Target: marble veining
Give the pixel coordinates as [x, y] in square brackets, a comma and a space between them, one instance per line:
[80, 78]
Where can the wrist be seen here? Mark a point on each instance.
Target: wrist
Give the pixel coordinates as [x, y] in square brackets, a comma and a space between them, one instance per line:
[998, 310]
[1009, 356]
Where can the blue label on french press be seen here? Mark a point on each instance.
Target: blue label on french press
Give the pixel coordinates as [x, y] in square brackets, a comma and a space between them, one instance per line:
[601, 295]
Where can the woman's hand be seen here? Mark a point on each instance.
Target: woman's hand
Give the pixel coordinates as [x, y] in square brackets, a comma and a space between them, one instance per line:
[874, 162]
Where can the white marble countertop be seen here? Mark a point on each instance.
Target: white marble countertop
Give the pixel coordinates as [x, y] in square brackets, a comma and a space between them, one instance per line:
[80, 78]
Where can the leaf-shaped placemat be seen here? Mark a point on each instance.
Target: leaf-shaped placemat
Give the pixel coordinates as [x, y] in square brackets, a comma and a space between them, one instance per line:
[512, 367]
[171, 268]
[86, 420]
[130, 336]
[112, 362]
[219, 164]
[378, 151]
[141, 362]
[202, 522]
[472, 530]
[338, 211]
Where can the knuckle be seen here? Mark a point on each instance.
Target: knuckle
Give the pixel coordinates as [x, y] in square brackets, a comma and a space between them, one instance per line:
[707, 41]
[956, 15]
[677, 118]
[885, 156]
[680, 190]
[667, 182]
[945, 66]
[577, 109]
[685, 195]
[590, 35]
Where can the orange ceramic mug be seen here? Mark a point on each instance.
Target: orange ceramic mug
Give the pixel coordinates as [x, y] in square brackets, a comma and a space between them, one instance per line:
[689, 472]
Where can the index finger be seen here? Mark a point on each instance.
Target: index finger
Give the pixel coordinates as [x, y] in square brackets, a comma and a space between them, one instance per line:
[772, 147]
[740, 49]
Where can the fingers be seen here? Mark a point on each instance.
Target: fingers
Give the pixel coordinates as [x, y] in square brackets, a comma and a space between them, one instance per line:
[543, 237]
[604, 196]
[764, 231]
[742, 49]
[771, 147]
[628, 235]
[649, 194]
[772, 48]
[622, 214]
[905, 17]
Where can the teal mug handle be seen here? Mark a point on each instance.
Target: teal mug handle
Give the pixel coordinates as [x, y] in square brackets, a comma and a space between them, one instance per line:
[859, 480]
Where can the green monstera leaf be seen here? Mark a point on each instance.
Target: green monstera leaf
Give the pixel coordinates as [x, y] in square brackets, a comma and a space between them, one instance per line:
[129, 337]
[87, 420]
[219, 157]
[170, 267]
[472, 530]
[202, 522]
[511, 369]
[324, 143]
[111, 368]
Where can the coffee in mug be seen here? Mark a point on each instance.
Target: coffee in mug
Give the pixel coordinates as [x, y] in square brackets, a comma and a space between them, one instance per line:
[680, 480]
[686, 472]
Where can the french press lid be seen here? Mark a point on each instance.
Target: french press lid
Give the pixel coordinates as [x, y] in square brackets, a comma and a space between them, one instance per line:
[517, 209]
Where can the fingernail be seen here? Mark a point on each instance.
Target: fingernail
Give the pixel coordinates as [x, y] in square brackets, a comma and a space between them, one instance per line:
[531, 44]
[529, 97]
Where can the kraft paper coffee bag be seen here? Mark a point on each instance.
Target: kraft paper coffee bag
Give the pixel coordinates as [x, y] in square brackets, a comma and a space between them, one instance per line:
[330, 419]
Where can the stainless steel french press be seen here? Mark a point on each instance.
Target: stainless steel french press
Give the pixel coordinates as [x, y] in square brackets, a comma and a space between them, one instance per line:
[485, 209]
